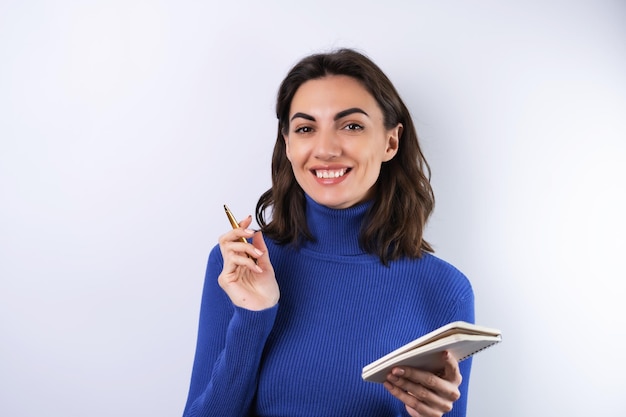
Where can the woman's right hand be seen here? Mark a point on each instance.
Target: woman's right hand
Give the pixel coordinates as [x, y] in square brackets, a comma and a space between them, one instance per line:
[249, 285]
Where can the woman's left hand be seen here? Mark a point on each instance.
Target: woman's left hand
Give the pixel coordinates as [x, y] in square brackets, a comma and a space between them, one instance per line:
[425, 394]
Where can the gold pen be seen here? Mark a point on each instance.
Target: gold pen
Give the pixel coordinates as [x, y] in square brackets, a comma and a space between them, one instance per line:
[235, 225]
[233, 221]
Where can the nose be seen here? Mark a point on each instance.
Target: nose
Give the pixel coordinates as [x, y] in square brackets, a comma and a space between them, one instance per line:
[327, 145]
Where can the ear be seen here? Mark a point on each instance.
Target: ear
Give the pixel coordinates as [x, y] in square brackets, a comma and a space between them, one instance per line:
[287, 153]
[393, 142]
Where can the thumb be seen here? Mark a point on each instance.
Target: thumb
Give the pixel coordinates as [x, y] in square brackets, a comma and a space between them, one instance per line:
[259, 243]
[451, 368]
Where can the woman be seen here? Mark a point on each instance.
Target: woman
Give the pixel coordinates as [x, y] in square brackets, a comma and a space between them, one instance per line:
[344, 252]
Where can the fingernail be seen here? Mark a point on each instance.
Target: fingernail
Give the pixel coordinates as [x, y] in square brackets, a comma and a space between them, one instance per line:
[249, 232]
[258, 252]
[398, 371]
[258, 269]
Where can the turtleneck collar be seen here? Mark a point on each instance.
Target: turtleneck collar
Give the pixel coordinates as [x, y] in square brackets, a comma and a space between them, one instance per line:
[336, 231]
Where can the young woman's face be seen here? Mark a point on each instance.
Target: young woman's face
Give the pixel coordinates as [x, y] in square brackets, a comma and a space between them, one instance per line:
[337, 140]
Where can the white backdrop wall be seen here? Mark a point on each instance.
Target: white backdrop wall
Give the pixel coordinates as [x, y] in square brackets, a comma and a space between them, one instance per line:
[125, 125]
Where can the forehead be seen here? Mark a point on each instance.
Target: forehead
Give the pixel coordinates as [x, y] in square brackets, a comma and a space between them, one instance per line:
[334, 91]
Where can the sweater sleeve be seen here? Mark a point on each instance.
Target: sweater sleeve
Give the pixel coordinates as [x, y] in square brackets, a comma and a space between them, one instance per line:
[228, 351]
[463, 309]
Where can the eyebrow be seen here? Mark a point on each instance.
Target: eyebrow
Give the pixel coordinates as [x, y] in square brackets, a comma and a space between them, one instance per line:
[338, 116]
[348, 112]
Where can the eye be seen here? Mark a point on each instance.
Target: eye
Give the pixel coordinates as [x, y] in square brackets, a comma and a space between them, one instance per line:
[304, 129]
[354, 127]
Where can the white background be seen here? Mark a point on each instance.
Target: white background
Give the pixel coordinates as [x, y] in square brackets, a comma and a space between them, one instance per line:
[125, 125]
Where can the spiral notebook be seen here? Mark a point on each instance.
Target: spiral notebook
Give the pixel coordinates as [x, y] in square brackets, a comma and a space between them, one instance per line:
[460, 338]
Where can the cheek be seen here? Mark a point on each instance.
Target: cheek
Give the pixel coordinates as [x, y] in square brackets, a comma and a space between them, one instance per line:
[297, 153]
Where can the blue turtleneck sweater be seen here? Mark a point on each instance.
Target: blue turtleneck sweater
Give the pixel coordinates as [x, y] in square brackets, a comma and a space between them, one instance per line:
[339, 309]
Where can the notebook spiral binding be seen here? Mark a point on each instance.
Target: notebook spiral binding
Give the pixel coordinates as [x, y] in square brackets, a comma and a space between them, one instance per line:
[480, 350]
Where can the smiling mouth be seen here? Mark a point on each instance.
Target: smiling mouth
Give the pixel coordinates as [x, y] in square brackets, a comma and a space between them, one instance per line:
[330, 173]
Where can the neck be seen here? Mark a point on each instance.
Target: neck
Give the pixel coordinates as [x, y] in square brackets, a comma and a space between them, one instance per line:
[335, 231]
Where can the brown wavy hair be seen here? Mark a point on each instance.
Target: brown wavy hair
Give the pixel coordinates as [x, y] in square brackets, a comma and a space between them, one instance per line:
[404, 199]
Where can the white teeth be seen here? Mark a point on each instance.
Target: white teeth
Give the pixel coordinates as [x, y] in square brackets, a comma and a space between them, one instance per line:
[330, 173]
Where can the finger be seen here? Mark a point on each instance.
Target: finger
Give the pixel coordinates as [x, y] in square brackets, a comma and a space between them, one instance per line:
[451, 370]
[241, 232]
[247, 261]
[246, 222]
[259, 241]
[229, 248]
[235, 266]
[401, 394]
[424, 387]
[235, 235]
[249, 249]
[236, 253]
[259, 245]
[446, 389]
[416, 407]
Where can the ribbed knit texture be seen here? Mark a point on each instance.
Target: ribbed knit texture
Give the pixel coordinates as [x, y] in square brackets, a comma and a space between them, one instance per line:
[339, 309]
